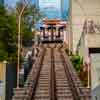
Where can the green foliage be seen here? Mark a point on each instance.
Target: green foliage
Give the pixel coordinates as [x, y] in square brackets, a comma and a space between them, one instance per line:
[12, 57]
[7, 35]
[9, 29]
[3, 55]
[77, 62]
[30, 16]
[26, 33]
[2, 10]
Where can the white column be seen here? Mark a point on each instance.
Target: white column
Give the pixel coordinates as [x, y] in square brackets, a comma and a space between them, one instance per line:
[42, 34]
[56, 34]
[49, 33]
[45, 29]
[62, 35]
[70, 37]
[65, 36]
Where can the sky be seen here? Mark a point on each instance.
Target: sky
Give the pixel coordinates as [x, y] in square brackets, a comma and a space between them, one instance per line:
[11, 3]
[46, 4]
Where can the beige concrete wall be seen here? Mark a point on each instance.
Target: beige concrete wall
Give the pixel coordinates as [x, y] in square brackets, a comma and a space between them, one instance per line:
[81, 10]
[93, 40]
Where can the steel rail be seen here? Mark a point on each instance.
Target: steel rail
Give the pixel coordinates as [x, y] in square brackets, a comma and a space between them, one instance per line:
[38, 74]
[73, 88]
[53, 78]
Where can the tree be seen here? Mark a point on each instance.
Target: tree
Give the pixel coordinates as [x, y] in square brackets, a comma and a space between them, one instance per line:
[7, 35]
[30, 16]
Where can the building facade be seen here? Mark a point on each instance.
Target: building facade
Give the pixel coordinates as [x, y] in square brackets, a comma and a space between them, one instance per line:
[86, 34]
[53, 8]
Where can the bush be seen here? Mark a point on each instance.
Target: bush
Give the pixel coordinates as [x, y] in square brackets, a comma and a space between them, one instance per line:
[3, 55]
[77, 62]
[8, 36]
[12, 58]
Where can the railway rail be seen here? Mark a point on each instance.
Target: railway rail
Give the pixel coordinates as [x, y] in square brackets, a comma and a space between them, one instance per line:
[53, 78]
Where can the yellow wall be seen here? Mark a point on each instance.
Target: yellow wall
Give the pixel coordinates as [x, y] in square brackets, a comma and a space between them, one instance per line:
[2, 70]
[2, 77]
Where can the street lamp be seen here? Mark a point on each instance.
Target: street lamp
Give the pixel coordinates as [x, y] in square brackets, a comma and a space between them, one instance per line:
[19, 40]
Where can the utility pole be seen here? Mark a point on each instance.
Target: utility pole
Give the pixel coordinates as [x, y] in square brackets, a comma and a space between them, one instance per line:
[19, 40]
[70, 32]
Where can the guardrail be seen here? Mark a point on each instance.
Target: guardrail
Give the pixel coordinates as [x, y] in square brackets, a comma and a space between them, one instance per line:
[82, 37]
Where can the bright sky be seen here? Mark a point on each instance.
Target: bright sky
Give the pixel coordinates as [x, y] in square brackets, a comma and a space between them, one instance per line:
[10, 2]
[13, 2]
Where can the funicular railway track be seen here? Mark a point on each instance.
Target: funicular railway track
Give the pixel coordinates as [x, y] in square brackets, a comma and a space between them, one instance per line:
[56, 80]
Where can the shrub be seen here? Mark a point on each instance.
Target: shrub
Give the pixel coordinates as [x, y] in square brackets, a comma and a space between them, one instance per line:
[3, 55]
[77, 62]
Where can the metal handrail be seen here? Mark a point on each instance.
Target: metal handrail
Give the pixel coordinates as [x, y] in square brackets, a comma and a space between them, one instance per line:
[82, 34]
